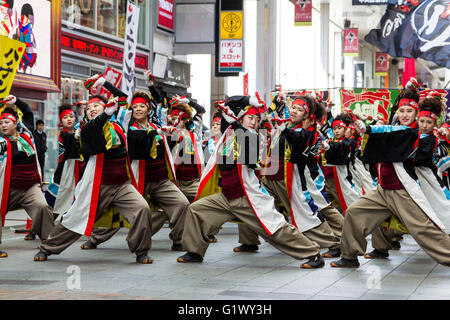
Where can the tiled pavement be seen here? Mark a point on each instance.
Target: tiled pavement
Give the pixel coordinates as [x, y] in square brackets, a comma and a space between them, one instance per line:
[110, 273]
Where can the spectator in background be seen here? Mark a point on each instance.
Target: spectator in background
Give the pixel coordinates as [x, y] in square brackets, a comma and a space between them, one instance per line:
[40, 139]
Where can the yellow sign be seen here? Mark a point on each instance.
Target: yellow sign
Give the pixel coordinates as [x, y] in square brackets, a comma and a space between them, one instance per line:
[231, 25]
[11, 52]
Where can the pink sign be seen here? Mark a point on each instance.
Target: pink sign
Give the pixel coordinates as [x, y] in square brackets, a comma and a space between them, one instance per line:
[351, 42]
[381, 64]
[303, 12]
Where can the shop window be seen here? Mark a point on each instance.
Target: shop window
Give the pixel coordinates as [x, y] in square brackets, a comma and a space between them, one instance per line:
[79, 12]
[72, 91]
[107, 16]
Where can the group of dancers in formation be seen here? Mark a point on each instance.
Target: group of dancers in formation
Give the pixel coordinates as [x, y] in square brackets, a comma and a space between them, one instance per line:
[311, 184]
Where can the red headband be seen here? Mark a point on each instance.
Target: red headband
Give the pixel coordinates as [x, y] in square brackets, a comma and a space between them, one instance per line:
[8, 116]
[96, 100]
[302, 103]
[445, 125]
[408, 103]
[428, 114]
[180, 113]
[253, 111]
[339, 123]
[352, 126]
[216, 119]
[65, 113]
[140, 100]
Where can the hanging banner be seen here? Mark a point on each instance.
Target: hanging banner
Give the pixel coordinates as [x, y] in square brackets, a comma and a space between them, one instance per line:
[113, 76]
[351, 42]
[303, 12]
[129, 54]
[381, 64]
[371, 102]
[11, 52]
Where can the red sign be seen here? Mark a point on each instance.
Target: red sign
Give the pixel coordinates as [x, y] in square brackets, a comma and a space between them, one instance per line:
[381, 64]
[113, 76]
[245, 79]
[303, 12]
[99, 50]
[351, 42]
[166, 16]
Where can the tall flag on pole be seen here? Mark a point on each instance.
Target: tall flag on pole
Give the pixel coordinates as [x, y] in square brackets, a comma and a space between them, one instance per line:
[415, 29]
[129, 53]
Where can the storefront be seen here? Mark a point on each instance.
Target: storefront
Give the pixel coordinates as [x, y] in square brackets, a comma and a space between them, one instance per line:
[38, 78]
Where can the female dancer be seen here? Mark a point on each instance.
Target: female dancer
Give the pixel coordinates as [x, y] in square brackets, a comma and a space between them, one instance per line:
[20, 176]
[61, 191]
[240, 195]
[153, 168]
[397, 194]
[340, 184]
[104, 144]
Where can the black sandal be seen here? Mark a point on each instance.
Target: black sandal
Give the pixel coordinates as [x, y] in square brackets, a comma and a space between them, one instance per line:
[40, 256]
[144, 259]
[88, 245]
[30, 236]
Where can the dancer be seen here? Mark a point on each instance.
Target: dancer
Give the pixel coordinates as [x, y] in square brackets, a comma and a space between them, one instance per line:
[20, 176]
[403, 113]
[340, 184]
[314, 176]
[104, 144]
[153, 168]
[240, 195]
[397, 194]
[61, 191]
[288, 184]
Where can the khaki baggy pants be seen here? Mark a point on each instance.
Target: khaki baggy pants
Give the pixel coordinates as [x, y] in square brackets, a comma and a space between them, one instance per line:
[210, 213]
[382, 239]
[166, 194]
[189, 188]
[332, 194]
[133, 208]
[334, 219]
[369, 211]
[322, 234]
[35, 205]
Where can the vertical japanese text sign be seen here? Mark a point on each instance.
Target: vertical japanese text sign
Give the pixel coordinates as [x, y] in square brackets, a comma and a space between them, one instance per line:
[11, 52]
[129, 53]
[231, 37]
